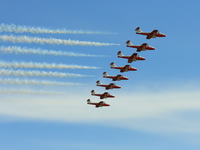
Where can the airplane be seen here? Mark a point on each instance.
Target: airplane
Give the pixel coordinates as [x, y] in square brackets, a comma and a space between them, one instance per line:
[140, 48]
[109, 86]
[126, 68]
[115, 78]
[131, 58]
[102, 96]
[150, 35]
[97, 105]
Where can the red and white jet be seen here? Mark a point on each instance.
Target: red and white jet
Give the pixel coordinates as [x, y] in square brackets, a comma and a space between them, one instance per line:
[108, 86]
[97, 105]
[140, 48]
[126, 68]
[131, 58]
[150, 35]
[102, 96]
[115, 78]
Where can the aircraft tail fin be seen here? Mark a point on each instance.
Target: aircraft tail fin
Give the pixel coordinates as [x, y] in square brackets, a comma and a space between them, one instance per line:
[88, 101]
[98, 82]
[120, 54]
[128, 43]
[112, 64]
[92, 92]
[105, 74]
[138, 30]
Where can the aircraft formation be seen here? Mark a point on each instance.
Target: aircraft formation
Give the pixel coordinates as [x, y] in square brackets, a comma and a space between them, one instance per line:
[126, 68]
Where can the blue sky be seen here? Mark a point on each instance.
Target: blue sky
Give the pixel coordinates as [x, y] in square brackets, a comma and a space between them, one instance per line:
[158, 108]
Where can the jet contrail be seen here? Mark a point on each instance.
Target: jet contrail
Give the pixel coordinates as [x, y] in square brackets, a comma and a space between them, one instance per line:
[27, 39]
[26, 91]
[36, 82]
[22, 29]
[42, 65]
[7, 72]
[25, 50]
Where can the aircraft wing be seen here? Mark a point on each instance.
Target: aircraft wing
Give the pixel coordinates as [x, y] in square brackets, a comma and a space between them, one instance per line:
[152, 34]
[139, 49]
[116, 78]
[110, 86]
[104, 95]
[134, 55]
[143, 46]
[124, 68]
[132, 58]
[99, 104]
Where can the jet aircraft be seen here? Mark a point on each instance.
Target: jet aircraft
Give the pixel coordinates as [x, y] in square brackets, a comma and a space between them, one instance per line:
[140, 48]
[108, 86]
[133, 57]
[150, 35]
[115, 78]
[126, 68]
[97, 105]
[102, 96]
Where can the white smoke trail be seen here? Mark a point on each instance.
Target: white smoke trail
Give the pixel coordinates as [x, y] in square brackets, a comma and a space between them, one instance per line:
[42, 65]
[22, 29]
[28, 91]
[7, 72]
[36, 82]
[27, 39]
[16, 50]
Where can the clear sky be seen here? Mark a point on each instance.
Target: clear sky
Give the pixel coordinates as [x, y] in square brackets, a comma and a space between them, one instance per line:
[156, 109]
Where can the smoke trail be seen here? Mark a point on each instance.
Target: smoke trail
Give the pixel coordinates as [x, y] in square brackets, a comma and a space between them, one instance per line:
[42, 65]
[36, 82]
[6, 72]
[16, 50]
[22, 29]
[26, 91]
[27, 39]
